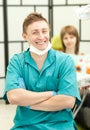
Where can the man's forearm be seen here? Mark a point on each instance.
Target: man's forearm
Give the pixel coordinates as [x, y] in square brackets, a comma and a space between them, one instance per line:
[24, 97]
[56, 103]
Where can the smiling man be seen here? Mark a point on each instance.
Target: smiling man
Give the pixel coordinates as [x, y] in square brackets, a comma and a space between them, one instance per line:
[41, 82]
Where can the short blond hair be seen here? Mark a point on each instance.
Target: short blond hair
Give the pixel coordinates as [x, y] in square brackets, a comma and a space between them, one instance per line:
[31, 18]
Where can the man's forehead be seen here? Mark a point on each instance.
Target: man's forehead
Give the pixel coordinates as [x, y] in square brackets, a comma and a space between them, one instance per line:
[38, 25]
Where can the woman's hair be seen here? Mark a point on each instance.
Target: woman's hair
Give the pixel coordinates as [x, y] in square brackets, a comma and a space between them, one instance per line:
[31, 18]
[72, 31]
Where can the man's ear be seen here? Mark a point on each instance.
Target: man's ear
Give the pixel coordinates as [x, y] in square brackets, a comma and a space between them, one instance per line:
[24, 36]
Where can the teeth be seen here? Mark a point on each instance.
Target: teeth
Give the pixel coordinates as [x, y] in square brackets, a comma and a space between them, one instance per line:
[41, 43]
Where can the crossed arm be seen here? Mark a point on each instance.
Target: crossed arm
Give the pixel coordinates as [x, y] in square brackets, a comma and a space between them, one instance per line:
[44, 101]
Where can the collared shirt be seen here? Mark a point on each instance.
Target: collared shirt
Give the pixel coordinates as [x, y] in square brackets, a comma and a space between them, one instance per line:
[58, 74]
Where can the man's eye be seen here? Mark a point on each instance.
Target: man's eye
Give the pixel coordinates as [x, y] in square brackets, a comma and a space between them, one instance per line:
[34, 32]
[44, 31]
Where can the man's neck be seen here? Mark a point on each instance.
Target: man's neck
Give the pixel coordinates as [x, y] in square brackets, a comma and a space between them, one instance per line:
[39, 59]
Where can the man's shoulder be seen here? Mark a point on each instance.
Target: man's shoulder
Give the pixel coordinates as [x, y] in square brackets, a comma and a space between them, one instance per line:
[60, 54]
[20, 55]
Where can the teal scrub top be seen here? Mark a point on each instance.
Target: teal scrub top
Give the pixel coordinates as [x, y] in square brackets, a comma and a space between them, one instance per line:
[58, 74]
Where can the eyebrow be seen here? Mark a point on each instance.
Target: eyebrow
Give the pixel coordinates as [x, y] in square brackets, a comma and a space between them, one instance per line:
[40, 29]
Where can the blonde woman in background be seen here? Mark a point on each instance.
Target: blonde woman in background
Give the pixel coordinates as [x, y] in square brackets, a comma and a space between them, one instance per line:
[70, 39]
[70, 42]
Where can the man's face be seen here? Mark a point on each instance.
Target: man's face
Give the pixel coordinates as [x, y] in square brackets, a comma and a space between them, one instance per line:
[37, 34]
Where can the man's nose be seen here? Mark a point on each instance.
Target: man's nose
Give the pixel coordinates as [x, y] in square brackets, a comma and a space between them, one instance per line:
[41, 35]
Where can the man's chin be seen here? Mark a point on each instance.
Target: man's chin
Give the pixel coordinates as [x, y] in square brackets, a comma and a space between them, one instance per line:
[42, 49]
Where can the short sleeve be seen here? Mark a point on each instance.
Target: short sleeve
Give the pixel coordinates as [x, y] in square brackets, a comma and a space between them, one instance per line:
[67, 79]
[13, 75]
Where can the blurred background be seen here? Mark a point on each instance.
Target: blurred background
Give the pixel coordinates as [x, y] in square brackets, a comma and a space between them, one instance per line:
[58, 12]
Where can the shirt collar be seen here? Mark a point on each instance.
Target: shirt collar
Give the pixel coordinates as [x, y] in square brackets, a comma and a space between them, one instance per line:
[49, 60]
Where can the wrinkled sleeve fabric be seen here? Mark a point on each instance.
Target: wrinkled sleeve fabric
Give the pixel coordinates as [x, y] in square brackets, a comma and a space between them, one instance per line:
[14, 77]
[67, 79]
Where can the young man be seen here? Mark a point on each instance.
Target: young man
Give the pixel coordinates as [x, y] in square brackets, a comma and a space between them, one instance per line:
[41, 82]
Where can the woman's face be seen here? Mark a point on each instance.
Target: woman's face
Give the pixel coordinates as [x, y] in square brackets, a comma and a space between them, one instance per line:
[69, 41]
[38, 34]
